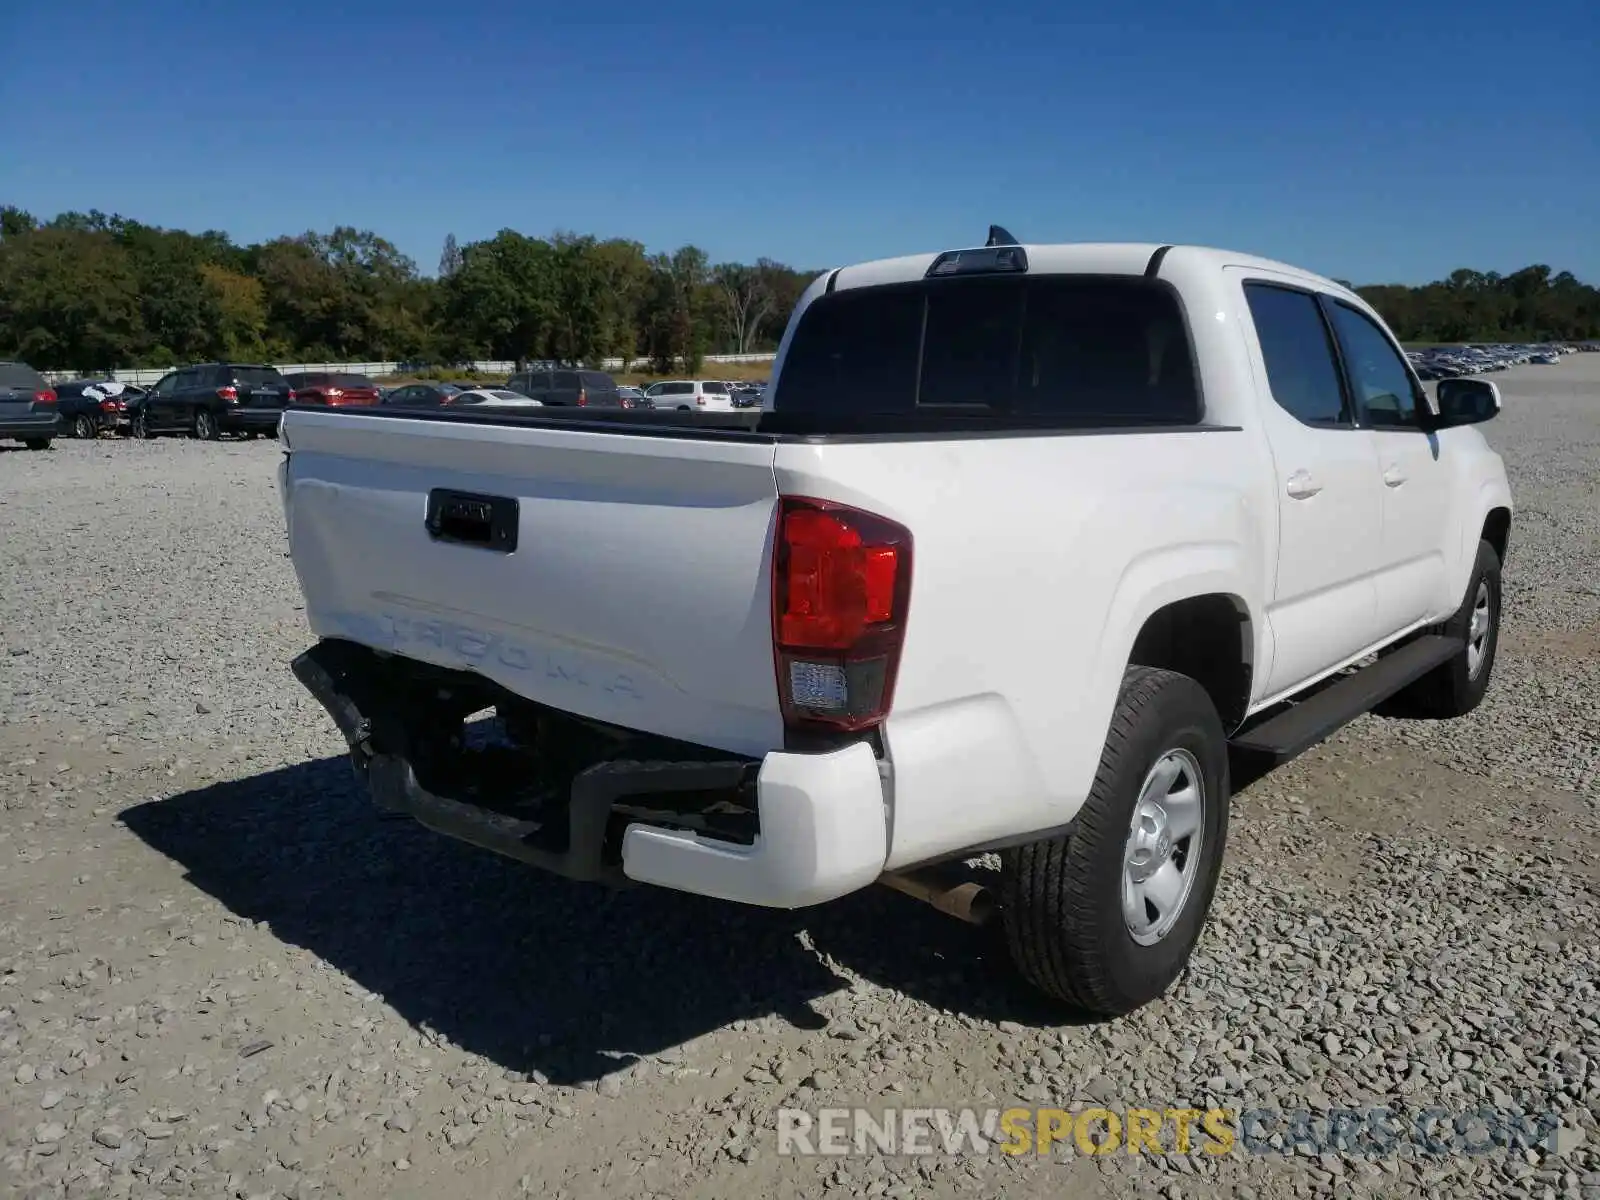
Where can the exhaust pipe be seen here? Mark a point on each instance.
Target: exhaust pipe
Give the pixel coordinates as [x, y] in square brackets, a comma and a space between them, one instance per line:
[970, 902]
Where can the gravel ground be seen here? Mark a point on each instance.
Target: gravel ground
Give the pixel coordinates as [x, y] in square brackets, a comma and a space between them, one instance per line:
[221, 974]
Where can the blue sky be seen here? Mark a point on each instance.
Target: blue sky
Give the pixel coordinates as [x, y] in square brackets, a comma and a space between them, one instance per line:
[1370, 141]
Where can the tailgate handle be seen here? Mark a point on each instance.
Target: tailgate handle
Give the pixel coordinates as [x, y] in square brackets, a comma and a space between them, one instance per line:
[472, 520]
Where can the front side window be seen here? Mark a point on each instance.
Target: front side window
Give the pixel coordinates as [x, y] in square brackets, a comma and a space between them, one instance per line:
[1377, 373]
[1302, 372]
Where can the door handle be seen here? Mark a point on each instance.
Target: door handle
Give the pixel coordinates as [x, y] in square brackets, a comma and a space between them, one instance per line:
[1301, 486]
[1393, 476]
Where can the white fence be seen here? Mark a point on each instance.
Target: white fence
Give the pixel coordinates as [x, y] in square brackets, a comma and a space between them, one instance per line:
[145, 376]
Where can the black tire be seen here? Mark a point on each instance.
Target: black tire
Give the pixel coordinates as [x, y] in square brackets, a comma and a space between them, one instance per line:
[1455, 688]
[206, 427]
[36, 443]
[140, 427]
[1062, 898]
[83, 426]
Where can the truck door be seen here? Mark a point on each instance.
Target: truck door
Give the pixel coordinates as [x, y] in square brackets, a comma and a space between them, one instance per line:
[1324, 607]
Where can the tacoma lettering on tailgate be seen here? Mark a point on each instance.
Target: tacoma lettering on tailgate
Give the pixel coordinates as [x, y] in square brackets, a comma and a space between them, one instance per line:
[478, 647]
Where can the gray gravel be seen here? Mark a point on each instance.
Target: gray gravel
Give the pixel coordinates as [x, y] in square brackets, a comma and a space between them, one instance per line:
[221, 974]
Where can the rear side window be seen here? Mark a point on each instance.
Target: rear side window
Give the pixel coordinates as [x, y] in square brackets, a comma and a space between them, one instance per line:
[720, 389]
[1069, 349]
[567, 380]
[21, 375]
[1298, 351]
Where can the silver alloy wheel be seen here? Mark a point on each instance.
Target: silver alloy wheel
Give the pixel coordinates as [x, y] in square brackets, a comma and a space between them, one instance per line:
[1478, 631]
[1161, 859]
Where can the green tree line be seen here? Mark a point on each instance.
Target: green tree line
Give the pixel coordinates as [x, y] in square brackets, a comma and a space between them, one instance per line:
[87, 291]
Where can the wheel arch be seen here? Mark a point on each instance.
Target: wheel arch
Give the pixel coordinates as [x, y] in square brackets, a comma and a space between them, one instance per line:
[1210, 637]
[1497, 530]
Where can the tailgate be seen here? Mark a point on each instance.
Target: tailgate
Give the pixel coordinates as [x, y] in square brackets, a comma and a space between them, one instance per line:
[637, 593]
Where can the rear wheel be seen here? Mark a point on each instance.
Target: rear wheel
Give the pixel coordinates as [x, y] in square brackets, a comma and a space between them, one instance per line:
[36, 443]
[140, 427]
[1106, 917]
[205, 425]
[83, 426]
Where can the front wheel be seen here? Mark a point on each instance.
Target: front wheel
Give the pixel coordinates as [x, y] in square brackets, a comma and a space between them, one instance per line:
[140, 427]
[1456, 687]
[205, 425]
[36, 443]
[1105, 918]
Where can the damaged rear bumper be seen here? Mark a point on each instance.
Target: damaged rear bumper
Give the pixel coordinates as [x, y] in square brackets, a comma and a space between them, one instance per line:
[783, 831]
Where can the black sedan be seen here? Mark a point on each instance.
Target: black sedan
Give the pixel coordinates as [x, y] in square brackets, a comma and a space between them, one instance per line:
[89, 407]
[423, 395]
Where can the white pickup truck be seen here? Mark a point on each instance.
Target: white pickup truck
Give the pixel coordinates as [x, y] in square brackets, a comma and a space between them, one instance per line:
[1024, 545]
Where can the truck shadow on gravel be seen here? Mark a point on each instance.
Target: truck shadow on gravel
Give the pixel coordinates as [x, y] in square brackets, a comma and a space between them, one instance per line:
[536, 972]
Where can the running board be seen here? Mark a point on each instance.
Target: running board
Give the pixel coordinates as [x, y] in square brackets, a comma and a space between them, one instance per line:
[1323, 713]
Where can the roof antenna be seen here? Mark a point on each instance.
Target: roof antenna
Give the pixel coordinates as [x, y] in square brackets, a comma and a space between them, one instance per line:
[1000, 237]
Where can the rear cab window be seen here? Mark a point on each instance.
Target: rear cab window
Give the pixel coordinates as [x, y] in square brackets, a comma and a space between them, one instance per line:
[1067, 350]
[22, 377]
[597, 381]
[714, 388]
[254, 376]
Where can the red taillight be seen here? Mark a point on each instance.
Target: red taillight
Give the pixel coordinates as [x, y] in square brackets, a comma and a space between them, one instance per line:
[45, 397]
[700, 400]
[112, 406]
[583, 398]
[333, 394]
[230, 394]
[291, 397]
[841, 582]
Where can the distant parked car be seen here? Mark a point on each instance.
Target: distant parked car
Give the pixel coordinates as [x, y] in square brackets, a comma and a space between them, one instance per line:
[583, 389]
[327, 387]
[210, 399]
[423, 395]
[87, 407]
[494, 398]
[691, 395]
[27, 406]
